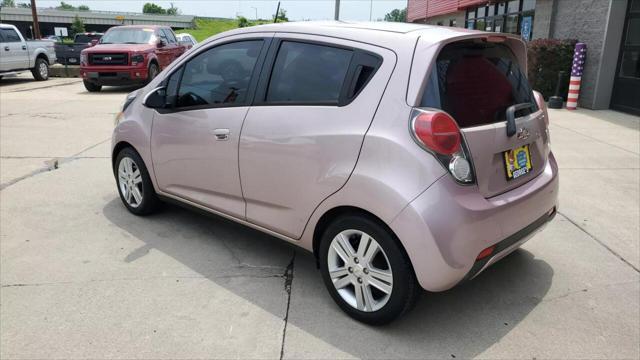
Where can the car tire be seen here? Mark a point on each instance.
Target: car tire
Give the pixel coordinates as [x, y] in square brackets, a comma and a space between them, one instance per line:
[91, 87]
[154, 70]
[134, 184]
[40, 70]
[401, 289]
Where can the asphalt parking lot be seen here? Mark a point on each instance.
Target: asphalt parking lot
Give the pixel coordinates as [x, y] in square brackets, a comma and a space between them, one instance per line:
[82, 278]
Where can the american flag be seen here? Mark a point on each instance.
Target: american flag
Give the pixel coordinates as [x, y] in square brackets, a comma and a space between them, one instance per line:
[579, 57]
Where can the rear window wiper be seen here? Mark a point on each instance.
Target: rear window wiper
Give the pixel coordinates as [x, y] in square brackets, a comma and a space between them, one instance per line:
[511, 116]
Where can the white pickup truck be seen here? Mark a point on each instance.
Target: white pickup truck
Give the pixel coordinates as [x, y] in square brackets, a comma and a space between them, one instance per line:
[17, 55]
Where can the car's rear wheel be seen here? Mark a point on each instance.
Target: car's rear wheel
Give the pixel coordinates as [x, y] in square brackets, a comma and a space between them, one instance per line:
[40, 71]
[366, 271]
[134, 184]
[91, 87]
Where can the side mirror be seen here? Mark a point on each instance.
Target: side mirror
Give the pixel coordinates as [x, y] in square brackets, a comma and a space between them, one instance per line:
[93, 42]
[156, 98]
[161, 43]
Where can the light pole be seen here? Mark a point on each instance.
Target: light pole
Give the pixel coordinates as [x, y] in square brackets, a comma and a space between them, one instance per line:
[336, 15]
[370, 10]
[256, 9]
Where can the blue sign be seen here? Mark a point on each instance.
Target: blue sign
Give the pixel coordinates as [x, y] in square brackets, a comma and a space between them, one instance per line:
[525, 28]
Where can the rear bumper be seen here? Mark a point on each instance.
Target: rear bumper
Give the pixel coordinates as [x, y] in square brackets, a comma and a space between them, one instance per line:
[120, 75]
[447, 226]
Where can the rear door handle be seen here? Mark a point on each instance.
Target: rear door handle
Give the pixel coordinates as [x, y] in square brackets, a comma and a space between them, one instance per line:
[24, 47]
[221, 134]
[6, 48]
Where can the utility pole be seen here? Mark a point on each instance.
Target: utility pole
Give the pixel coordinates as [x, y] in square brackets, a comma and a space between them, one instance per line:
[256, 9]
[370, 10]
[336, 15]
[36, 26]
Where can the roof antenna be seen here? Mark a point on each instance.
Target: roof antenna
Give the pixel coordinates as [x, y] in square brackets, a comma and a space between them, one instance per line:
[275, 18]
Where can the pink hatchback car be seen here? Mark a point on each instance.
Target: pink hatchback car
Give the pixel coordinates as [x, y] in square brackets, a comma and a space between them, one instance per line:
[403, 156]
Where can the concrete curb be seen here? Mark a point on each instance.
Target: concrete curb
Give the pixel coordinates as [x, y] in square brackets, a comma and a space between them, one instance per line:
[68, 71]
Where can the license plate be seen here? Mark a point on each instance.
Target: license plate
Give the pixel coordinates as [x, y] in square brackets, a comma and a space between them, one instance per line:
[517, 162]
[73, 60]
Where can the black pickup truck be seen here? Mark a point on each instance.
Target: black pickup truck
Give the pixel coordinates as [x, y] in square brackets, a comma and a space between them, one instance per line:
[69, 54]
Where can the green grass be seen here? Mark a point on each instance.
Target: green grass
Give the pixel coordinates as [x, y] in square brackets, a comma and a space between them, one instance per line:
[207, 27]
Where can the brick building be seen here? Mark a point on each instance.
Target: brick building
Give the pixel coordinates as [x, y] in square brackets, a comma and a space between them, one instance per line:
[610, 28]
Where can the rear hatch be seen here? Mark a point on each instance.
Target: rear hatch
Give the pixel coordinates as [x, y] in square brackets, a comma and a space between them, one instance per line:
[478, 83]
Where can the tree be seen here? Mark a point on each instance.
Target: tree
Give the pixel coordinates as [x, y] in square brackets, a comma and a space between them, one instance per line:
[64, 6]
[77, 26]
[83, 8]
[396, 15]
[8, 3]
[151, 8]
[243, 22]
[173, 10]
[282, 15]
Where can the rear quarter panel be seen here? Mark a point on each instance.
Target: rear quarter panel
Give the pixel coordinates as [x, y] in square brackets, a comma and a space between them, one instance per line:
[392, 169]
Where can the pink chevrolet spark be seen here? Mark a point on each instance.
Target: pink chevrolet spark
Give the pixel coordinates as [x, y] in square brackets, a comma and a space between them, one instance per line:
[405, 157]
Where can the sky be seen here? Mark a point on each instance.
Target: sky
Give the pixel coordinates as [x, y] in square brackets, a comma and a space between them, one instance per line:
[357, 10]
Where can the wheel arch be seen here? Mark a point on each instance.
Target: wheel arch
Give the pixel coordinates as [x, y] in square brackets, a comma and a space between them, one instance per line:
[43, 56]
[334, 213]
[116, 150]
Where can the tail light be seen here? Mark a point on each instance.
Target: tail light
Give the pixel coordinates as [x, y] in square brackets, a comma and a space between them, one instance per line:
[543, 106]
[438, 133]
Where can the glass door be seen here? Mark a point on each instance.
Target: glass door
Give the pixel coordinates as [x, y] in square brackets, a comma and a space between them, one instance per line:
[626, 85]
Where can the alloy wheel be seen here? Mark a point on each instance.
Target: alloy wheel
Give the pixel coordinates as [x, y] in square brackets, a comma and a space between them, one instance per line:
[360, 270]
[43, 69]
[130, 181]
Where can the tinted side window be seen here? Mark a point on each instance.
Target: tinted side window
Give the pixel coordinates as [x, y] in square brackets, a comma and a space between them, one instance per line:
[163, 36]
[476, 83]
[9, 35]
[308, 73]
[169, 35]
[220, 75]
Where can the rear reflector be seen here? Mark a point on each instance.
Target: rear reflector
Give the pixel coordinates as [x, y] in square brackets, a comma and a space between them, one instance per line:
[486, 252]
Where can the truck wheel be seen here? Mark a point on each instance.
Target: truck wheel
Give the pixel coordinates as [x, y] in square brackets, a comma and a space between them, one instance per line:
[91, 87]
[153, 72]
[41, 70]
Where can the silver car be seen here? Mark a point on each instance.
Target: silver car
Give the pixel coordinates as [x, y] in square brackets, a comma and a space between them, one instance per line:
[405, 157]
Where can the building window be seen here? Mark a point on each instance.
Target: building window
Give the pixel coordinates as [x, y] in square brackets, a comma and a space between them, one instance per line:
[452, 22]
[509, 16]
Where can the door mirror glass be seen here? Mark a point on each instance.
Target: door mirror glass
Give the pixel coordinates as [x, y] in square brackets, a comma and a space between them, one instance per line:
[157, 98]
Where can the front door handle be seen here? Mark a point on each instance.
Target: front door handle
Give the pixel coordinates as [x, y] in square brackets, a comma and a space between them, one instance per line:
[221, 134]
[6, 48]
[24, 47]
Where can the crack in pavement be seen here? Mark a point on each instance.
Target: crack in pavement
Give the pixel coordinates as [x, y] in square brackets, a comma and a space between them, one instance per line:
[52, 164]
[42, 87]
[288, 276]
[600, 242]
[229, 276]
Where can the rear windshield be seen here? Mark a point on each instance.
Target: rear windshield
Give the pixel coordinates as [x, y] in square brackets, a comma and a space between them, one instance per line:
[476, 83]
[86, 38]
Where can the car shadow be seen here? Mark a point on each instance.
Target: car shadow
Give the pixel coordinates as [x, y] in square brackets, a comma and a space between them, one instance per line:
[112, 90]
[462, 322]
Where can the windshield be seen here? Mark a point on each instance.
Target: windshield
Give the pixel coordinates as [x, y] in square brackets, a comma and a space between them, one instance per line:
[127, 36]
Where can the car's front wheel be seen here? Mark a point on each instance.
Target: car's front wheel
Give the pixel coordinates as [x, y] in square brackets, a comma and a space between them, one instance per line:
[91, 87]
[366, 271]
[134, 184]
